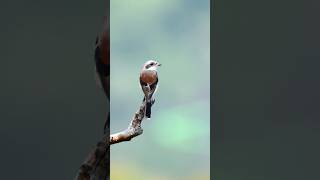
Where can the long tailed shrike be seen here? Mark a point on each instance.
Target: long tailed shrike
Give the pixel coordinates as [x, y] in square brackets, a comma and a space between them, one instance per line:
[102, 61]
[148, 82]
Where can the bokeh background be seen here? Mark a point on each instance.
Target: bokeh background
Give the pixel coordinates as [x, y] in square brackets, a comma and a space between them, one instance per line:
[176, 141]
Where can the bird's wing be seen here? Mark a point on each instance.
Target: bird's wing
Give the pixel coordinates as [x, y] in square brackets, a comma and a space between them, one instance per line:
[102, 61]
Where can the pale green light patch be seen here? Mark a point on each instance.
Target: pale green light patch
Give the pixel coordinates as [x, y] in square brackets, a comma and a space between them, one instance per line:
[183, 127]
[144, 6]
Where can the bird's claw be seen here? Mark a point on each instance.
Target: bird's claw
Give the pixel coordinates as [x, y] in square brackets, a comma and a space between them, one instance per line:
[152, 101]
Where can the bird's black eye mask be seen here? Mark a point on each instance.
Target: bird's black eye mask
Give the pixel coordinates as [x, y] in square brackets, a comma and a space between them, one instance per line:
[149, 65]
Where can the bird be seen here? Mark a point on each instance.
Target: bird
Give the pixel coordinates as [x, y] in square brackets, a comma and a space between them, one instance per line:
[149, 83]
[102, 65]
[102, 60]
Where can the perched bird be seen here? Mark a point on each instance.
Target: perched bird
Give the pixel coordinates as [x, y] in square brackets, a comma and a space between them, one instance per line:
[102, 59]
[148, 82]
[102, 62]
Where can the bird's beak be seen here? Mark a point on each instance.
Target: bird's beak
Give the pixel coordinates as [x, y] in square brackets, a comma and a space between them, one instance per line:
[159, 64]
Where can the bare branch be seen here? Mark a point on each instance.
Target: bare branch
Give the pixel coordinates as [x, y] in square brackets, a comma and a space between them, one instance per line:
[134, 128]
[95, 160]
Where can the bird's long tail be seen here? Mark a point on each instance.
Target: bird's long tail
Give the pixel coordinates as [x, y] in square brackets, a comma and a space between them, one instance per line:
[148, 109]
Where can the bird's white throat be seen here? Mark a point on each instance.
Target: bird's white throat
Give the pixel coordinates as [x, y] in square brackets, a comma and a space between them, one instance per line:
[152, 68]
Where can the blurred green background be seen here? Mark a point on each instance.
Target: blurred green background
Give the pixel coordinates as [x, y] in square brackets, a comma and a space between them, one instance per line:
[176, 141]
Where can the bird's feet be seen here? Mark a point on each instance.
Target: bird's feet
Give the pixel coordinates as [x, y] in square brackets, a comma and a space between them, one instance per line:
[153, 101]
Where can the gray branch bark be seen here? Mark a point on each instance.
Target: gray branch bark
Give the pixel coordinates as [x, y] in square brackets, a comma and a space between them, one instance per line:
[134, 128]
[96, 165]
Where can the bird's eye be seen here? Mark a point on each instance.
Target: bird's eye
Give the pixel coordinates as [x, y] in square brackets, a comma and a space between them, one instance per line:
[151, 64]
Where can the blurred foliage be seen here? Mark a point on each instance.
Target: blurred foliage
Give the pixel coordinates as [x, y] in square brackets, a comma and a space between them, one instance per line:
[175, 143]
[132, 172]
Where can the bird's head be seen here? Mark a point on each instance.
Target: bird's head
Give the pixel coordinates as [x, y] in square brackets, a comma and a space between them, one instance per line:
[151, 65]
